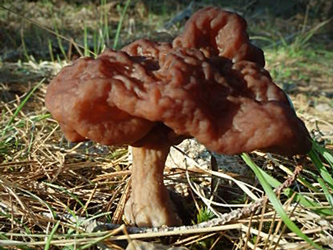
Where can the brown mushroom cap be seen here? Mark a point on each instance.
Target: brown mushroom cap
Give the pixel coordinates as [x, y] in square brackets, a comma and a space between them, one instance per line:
[78, 100]
[217, 32]
[209, 84]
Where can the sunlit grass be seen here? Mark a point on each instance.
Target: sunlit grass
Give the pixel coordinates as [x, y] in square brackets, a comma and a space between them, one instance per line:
[287, 66]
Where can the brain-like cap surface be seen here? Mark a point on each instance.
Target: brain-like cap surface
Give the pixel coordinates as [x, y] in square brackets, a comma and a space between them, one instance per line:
[78, 100]
[208, 84]
[217, 32]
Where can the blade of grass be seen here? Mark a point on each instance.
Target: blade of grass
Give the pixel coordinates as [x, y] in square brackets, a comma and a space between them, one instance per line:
[276, 202]
[120, 23]
[40, 117]
[48, 241]
[40, 200]
[50, 50]
[312, 31]
[113, 232]
[17, 221]
[19, 108]
[58, 58]
[59, 41]
[328, 196]
[3, 237]
[106, 34]
[85, 42]
[302, 200]
[101, 42]
[262, 38]
[321, 168]
[22, 123]
[69, 193]
[323, 152]
[25, 52]
[96, 42]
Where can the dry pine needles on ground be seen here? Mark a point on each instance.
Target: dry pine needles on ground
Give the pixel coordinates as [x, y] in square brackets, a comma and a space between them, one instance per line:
[53, 192]
[47, 183]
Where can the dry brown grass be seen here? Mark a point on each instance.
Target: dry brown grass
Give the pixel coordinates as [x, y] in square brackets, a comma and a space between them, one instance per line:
[45, 180]
[54, 191]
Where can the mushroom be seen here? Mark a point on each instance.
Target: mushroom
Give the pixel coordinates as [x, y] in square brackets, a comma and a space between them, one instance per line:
[209, 84]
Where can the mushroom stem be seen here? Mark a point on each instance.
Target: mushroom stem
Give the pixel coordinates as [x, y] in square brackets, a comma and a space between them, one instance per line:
[150, 204]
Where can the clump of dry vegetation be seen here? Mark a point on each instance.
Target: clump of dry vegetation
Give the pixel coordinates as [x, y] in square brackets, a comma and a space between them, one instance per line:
[59, 195]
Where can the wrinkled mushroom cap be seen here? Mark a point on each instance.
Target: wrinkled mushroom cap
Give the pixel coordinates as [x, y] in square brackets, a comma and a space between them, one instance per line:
[78, 100]
[208, 84]
[217, 32]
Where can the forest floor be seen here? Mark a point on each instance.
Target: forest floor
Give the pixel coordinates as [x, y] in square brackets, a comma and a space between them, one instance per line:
[52, 191]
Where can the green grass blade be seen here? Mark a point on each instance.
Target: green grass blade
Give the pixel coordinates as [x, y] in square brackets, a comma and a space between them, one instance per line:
[262, 38]
[50, 50]
[3, 237]
[321, 168]
[314, 30]
[59, 41]
[275, 201]
[54, 214]
[326, 191]
[19, 108]
[95, 43]
[106, 33]
[70, 194]
[40, 117]
[85, 42]
[25, 52]
[48, 241]
[89, 245]
[299, 198]
[120, 23]
[322, 151]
